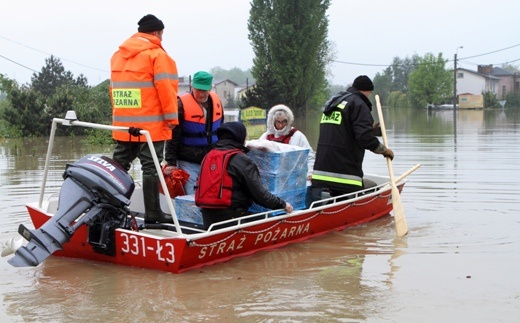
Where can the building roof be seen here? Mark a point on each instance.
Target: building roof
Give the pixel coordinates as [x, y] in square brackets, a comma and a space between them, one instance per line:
[498, 71]
[215, 82]
[489, 76]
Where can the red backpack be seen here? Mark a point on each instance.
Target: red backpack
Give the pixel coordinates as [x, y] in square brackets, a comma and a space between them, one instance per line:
[213, 189]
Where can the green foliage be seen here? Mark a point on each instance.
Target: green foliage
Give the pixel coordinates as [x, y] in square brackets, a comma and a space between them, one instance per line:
[235, 74]
[289, 39]
[25, 111]
[383, 84]
[28, 110]
[430, 82]
[398, 99]
[395, 77]
[490, 100]
[95, 105]
[98, 137]
[9, 131]
[53, 76]
[260, 94]
[513, 100]
[511, 67]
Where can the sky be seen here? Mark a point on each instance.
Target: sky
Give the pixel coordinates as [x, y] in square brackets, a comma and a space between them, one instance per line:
[203, 34]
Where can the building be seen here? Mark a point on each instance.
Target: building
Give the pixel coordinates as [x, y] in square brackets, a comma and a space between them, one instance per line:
[184, 84]
[225, 89]
[472, 82]
[487, 79]
[509, 81]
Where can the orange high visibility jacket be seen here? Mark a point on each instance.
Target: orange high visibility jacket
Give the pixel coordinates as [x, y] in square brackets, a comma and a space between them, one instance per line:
[143, 88]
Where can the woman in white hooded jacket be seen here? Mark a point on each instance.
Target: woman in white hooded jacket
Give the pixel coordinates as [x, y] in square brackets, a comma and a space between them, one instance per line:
[279, 128]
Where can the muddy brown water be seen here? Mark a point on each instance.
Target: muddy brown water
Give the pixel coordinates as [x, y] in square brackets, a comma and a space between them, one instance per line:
[460, 261]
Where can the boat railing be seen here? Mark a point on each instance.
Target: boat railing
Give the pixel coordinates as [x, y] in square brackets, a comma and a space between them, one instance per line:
[316, 206]
[280, 214]
[71, 120]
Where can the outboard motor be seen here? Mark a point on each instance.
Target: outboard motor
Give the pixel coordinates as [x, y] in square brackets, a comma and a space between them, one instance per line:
[95, 189]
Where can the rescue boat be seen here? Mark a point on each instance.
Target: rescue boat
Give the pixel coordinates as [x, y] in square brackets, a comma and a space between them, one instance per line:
[98, 216]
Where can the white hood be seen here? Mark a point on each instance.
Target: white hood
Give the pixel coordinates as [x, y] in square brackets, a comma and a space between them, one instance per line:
[270, 120]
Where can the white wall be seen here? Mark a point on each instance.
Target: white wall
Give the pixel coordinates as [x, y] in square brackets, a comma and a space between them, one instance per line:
[470, 83]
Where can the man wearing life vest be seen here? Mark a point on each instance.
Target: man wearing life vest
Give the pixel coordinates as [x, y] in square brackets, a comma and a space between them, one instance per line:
[280, 129]
[143, 92]
[200, 115]
[347, 129]
[229, 181]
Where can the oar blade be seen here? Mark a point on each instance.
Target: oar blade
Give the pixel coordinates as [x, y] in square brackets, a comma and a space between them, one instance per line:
[399, 218]
[401, 227]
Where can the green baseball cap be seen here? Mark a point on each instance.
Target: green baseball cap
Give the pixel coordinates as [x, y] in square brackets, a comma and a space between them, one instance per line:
[202, 81]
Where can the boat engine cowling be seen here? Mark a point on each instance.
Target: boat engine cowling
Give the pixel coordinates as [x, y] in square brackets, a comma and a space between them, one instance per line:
[94, 186]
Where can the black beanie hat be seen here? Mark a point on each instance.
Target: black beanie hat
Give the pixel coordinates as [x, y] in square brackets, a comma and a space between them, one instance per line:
[150, 23]
[363, 83]
[232, 130]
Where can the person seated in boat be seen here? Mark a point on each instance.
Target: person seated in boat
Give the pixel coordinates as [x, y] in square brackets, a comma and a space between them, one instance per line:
[280, 129]
[200, 114]
[229, 181]
[347, 129]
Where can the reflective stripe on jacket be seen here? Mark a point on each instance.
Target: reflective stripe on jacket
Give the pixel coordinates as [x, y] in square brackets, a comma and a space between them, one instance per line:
[143, 88]
[336, 178]
[195, 130]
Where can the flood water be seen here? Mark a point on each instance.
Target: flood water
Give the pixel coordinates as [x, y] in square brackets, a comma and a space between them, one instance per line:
[460, 261]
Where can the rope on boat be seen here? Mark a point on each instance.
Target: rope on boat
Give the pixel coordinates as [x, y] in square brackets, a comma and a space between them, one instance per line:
[195, 244]
[264, 230]
[369, 201]
[300, 221]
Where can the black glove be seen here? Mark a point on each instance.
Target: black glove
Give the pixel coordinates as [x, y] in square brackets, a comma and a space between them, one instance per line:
[134, 131]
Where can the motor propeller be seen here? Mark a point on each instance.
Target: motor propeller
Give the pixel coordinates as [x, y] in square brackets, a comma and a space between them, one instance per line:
[12, 245]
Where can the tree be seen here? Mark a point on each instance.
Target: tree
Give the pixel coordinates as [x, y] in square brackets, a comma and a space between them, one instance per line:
[401, 70]
[235, 74]
[289, 39]
[25, 111]
[510, 67]
[53, 91]
[52, 76]
[395, 77]
[430, 82]
[383, 84]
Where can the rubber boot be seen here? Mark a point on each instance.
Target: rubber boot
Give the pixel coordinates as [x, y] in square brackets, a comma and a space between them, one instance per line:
[152, 206]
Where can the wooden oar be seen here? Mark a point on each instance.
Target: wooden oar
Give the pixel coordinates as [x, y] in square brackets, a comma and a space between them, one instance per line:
[400, 221]
[405, 174]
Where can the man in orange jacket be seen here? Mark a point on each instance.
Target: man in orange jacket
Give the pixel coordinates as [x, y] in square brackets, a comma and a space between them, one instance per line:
[143, 90]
